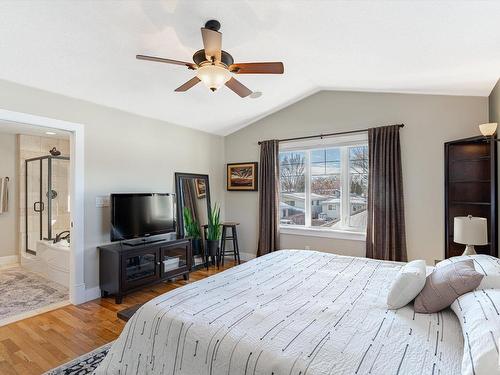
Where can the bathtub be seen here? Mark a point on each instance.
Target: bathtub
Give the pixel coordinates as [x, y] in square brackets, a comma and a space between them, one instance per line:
[51, 261]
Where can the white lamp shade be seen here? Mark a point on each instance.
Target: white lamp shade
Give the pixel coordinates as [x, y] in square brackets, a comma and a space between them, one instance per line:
[470, 230]
[213, 76]
[488, 129]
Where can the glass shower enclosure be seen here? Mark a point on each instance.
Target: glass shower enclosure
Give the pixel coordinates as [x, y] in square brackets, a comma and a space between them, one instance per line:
[47, 200]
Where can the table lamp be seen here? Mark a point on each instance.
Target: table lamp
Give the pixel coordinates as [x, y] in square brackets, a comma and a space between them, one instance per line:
[470, 231]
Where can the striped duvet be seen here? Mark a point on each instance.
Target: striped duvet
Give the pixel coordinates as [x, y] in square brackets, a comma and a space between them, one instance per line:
[289, 312]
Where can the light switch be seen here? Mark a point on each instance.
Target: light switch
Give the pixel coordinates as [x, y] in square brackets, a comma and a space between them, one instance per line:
[102, 201]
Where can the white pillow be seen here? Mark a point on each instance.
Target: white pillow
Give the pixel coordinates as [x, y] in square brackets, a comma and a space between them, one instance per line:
[485, 264]
[409, 281]
[478, 313]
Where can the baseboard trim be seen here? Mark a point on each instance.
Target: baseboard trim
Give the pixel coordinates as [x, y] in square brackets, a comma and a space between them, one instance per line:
[81, 294]
[247, 256]
[9, 260]
[77, 293]
[92, 293]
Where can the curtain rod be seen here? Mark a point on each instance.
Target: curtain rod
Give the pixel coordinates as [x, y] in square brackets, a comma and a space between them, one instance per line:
[327, 135]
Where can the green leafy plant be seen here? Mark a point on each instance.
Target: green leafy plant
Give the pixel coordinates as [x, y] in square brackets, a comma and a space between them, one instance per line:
[191, 225]
[214, 227]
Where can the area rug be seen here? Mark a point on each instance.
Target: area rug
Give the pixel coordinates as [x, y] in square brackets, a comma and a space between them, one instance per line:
[24, 291]
[84, 365]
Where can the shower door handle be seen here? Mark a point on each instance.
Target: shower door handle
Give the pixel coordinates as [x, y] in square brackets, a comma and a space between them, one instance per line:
[39, 208]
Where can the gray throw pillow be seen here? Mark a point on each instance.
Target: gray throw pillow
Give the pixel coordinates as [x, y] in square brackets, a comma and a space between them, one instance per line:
[445, 285]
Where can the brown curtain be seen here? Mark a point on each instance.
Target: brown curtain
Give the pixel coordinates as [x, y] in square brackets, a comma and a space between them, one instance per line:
[385, 232]
[268, 198]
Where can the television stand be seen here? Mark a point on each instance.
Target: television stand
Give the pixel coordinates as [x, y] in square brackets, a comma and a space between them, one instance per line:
[140, 242]
[149, 240]
[125, 269]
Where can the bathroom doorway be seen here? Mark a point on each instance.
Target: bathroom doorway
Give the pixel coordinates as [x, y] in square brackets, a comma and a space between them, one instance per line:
[36, 209]
[50, 225]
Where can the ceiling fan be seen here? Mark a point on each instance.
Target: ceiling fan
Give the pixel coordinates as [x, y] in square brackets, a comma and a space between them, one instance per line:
[215, 67]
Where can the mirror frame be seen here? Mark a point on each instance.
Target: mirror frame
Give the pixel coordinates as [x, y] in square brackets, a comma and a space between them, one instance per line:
[178, 192]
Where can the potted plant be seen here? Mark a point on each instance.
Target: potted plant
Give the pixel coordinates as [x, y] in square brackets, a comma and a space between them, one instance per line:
[214, 231]
[192, 230]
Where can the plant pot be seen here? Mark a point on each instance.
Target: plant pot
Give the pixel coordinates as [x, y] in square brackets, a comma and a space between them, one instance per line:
[196, 244]
[211, 247]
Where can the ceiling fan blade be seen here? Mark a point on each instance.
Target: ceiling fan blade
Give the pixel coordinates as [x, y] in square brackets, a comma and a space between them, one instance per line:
[193, 81]
[257, 68]
[238, 87]
[168, 61]
[212, 43]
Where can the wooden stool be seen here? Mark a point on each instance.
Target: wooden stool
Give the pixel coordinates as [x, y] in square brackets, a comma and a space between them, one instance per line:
[234, 237]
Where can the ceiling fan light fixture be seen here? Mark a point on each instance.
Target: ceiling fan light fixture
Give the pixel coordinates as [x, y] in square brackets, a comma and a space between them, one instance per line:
[213, 76]
[215, 67]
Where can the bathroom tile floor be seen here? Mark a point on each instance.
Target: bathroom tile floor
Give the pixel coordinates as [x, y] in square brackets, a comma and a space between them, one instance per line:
[23, 292]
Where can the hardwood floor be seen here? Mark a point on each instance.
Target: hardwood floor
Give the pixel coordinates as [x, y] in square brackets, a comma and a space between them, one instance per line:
[40, 343]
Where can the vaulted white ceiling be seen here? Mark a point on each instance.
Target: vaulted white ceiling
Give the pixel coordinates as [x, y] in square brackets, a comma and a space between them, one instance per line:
[86, 50]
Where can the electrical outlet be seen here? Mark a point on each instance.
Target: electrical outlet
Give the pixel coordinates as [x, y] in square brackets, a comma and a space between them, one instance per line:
[102, 201]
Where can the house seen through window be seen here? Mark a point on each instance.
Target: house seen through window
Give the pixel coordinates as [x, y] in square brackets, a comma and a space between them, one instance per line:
[324, 188]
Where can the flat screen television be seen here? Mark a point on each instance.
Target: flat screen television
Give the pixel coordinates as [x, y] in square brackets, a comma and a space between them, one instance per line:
[135, 215]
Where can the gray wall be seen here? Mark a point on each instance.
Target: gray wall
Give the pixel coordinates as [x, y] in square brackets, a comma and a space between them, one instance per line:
[123, 152]
[494, 101]
[494, 109]
[8, 220]
[430, 121]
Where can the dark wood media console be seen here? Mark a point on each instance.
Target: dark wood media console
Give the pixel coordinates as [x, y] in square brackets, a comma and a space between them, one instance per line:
[124, 269]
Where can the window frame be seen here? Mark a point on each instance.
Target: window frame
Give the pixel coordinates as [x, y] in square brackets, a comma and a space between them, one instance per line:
[344, 142]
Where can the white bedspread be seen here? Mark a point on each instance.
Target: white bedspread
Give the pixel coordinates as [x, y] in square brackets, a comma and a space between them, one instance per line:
[289, 312]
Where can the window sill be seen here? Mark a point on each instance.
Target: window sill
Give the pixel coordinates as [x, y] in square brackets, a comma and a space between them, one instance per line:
[326, 233]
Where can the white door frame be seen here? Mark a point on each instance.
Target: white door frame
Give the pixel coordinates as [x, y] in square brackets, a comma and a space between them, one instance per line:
[77, 284]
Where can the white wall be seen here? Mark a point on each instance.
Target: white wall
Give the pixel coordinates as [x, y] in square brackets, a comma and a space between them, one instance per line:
[8, 220]
[123, 152]
[430, 121]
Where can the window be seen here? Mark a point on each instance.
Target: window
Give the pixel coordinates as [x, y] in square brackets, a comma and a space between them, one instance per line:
[324, 186]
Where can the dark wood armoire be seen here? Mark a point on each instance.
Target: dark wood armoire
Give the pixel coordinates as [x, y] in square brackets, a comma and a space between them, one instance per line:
[471, 189]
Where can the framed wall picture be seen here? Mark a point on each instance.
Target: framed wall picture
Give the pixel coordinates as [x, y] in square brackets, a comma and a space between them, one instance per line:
[201, 189]
[242, 176]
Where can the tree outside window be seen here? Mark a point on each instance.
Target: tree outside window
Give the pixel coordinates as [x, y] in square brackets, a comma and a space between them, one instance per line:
[325, 188]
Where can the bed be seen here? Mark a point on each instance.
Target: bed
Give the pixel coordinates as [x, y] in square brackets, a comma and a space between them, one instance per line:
[289, 312]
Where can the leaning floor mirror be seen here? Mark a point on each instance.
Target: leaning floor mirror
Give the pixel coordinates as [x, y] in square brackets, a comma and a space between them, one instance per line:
[193, 205]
